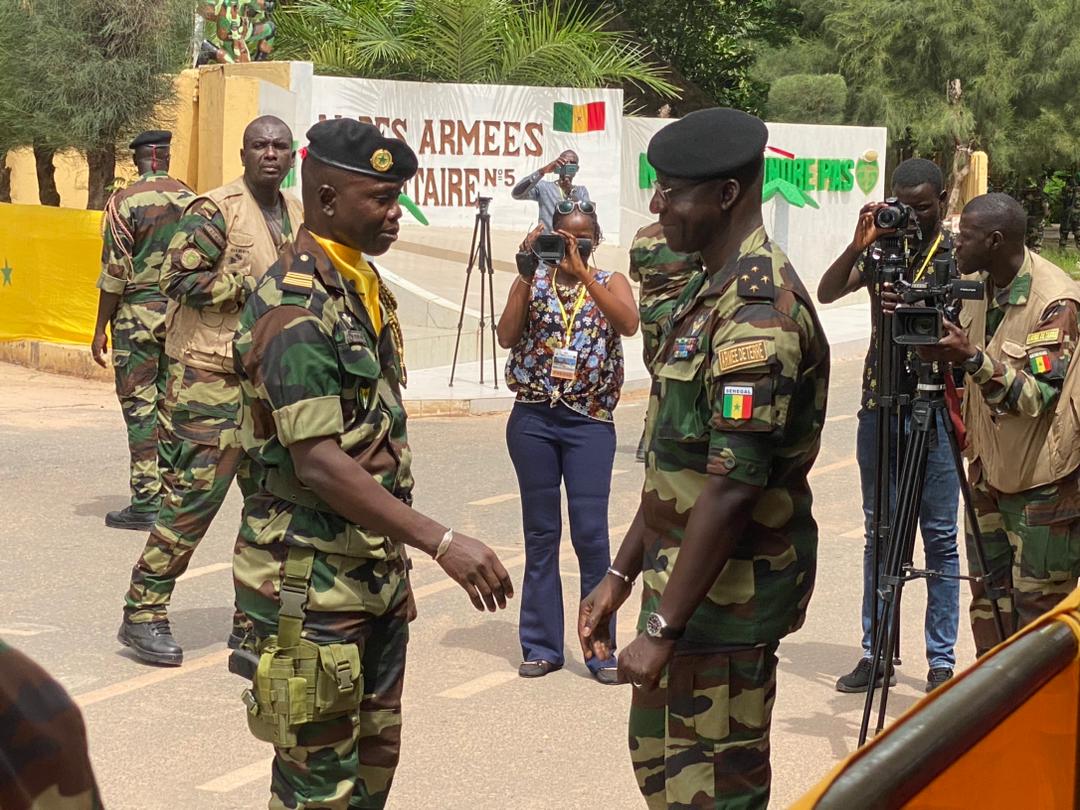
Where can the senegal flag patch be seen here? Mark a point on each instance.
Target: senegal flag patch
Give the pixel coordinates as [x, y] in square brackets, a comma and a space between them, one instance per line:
[738, 401]
[1040, 363]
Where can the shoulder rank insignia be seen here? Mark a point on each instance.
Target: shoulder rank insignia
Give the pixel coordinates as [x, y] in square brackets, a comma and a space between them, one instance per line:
[1047, 337]
[755, 281]
[300, 280]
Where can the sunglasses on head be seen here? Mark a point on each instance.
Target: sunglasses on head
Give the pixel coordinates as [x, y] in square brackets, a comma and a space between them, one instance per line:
[567, 206]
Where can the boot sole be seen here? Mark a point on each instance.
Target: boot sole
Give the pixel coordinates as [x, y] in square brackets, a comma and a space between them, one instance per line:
[150, 657]
[136, 527]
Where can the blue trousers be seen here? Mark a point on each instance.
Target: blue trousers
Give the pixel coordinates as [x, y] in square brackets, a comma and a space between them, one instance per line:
[549, 447]
[937, 525]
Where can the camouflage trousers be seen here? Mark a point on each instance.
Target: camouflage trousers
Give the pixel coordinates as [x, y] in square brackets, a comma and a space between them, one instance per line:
[200, 458]
[701, 740]
[1070, 223]
[348, 761]
[1032, 544]
[140, 364]
[1033, 237]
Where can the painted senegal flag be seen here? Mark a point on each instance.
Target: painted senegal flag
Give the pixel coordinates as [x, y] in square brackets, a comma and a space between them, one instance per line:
[579, 117]
[738, 401]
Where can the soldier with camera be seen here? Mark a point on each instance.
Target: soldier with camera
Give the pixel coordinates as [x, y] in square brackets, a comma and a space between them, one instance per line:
[1015, 345]
[919, 185]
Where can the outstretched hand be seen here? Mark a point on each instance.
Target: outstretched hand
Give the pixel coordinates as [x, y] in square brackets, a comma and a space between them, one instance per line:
[477, 569]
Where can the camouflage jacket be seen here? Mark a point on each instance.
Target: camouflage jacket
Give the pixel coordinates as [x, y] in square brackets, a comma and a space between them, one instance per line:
[43, 756]
[741, 382]
[139, 223]
[311, 365]
[662, 274]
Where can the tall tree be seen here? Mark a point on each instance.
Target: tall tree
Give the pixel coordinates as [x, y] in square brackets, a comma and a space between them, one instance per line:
[87, 74]
[527, 42]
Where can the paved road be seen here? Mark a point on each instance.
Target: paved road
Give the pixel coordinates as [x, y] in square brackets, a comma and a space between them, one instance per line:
[475, 735]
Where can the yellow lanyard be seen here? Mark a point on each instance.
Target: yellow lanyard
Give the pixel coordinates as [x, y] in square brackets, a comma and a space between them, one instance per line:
[569, 323]
[929, 256]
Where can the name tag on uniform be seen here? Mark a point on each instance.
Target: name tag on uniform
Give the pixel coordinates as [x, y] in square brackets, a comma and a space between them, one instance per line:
[564, 364]
[354, 336]
[685, 347]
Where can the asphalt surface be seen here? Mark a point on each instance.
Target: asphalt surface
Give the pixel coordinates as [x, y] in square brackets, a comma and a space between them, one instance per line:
[475, 735]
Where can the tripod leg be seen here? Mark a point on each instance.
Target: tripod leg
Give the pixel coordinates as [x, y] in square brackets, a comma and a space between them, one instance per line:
[465, 297]
[491, 298]
[978, 543]
[482, 261]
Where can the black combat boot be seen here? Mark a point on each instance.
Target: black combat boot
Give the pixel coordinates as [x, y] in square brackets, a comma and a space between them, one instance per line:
[128, 518]
[151, 641]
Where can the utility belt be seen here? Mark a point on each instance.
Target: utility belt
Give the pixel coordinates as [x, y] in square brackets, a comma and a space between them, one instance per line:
[296, 681]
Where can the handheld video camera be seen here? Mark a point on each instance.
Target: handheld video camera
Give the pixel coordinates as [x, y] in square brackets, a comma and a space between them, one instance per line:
[938, 296]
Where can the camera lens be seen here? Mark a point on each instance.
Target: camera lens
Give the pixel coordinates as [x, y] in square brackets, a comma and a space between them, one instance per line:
[888, 218]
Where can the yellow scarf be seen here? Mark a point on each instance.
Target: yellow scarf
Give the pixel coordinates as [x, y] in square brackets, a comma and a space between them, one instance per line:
[354, 268]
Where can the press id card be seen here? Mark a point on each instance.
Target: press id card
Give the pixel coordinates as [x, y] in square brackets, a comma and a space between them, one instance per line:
[564, 364]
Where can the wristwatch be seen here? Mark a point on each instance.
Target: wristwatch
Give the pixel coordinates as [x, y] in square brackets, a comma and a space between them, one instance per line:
[973, 363]
[657, 627]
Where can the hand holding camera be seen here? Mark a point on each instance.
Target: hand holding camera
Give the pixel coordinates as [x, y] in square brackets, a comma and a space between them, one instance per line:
[526, 258]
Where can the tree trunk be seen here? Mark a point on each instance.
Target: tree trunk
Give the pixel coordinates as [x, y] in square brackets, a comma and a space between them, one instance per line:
[46, 175]
[5, 178]
[102, 163]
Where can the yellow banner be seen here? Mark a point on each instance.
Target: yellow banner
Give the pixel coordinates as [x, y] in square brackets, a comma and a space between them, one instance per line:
[50, 259]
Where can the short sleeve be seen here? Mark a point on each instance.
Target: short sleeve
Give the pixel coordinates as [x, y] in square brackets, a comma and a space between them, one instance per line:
[294, 366]
[754, 365]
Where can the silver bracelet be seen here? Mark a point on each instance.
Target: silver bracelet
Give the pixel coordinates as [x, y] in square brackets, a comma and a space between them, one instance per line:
[444, 544]
[621, 575]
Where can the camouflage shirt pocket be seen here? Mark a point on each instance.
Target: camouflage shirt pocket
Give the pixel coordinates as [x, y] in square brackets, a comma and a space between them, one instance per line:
[683, 410]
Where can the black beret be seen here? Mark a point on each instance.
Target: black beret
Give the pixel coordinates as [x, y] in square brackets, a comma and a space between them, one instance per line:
[152, 137]
[357, 147]
[708, 143]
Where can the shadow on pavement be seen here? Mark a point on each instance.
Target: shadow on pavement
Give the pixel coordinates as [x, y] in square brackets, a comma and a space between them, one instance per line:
[493, 637]
[198, 628]
[102, 504]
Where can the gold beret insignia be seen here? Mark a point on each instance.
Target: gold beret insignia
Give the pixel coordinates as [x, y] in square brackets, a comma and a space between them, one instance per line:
[381, 160]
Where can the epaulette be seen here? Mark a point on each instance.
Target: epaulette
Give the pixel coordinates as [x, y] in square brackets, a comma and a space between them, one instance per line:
[204, 208]
[300, 277]
[755, 278]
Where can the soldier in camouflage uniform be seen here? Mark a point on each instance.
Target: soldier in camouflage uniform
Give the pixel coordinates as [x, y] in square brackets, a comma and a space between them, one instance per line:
[1023, 434]
[662, 274]
[724, 534]
[139, 222]
[1038, 209]
[224, 243]
[1070, 212]
[322, 570]
[44, 763]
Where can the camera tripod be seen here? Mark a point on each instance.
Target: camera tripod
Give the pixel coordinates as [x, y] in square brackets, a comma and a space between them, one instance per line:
[480, 257]
[895, 533]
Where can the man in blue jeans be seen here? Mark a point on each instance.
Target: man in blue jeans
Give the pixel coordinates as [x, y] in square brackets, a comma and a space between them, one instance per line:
[919, 184]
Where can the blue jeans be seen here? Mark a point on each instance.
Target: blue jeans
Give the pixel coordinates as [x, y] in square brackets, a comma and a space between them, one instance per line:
[937, 524]
[550, 446]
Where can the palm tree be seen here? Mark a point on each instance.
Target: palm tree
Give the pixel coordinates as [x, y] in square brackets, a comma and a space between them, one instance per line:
[523, 42]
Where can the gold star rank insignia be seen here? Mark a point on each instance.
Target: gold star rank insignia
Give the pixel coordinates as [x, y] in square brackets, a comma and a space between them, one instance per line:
[381, 160]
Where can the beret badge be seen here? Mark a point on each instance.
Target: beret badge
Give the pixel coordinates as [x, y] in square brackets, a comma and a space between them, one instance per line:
[381, 160]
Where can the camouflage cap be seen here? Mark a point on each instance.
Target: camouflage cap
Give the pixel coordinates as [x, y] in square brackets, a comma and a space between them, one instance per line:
[357, 147]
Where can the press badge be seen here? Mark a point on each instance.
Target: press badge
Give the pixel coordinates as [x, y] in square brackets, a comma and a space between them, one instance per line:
[685, 347]
[564, 364]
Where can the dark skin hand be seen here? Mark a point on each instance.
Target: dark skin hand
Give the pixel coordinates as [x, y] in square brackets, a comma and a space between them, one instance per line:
[719, 516]
[954, 346]
[99, 346]
[363, 213]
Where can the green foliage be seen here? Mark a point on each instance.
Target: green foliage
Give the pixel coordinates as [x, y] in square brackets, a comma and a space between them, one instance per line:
[806, 99]
[526, 42]
[713, 42]
[804, 56]
[1018, 62]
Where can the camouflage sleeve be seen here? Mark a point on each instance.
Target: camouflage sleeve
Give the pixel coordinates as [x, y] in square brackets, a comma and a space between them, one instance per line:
[189, 274]
[115, 260]
[636, 250]
[293, 365]
[1032, 382]
[755, 361]
[44, 760]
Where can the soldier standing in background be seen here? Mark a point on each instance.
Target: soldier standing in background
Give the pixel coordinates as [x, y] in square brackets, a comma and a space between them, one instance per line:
[224, 244]
[725, 536]
[662, 274]
[1038, 209]
[139, 223]
[1070, 212]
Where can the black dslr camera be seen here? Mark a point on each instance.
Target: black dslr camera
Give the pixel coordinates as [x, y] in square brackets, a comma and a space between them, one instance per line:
[894, 215]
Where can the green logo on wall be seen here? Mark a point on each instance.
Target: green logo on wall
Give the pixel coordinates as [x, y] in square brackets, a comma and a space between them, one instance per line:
[867, 171]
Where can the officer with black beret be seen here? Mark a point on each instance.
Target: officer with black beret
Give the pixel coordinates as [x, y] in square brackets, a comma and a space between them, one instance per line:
[724, 534]
[320, 569]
